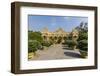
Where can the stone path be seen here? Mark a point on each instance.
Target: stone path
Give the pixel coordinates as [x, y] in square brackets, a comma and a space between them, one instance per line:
[57, 52]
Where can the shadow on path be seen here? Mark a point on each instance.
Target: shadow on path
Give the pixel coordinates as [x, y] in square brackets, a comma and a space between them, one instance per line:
[72, 54]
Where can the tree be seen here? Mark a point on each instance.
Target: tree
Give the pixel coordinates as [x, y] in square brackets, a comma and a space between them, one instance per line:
[83, 35]
[83, 27]
[35, 36]
[83, 38]
[83, 31]
[34, 41]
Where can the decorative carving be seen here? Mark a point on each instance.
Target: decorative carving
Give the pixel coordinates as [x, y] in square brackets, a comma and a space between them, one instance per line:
[59, 33]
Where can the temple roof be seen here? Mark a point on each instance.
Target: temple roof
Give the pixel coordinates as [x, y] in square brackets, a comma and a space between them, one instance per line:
[60, 30]
[45, 29]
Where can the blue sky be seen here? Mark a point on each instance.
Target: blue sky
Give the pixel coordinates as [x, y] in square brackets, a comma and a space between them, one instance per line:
[38, 22]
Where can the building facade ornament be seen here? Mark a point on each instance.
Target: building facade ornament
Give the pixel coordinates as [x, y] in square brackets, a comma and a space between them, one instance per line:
[59, 34]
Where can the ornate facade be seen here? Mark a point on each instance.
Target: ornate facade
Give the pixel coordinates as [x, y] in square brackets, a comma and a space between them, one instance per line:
[59, 35]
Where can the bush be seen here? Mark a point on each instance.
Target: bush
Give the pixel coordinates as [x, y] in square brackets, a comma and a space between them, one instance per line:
[83, 38]
[83, 45]
[47, 44]
[83, 53]
[71, 43]
[33, 45]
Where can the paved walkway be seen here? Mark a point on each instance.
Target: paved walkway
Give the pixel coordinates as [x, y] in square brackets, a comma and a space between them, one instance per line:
[57, 52]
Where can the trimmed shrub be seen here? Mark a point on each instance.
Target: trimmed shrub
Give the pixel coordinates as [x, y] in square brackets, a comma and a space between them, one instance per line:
[83, 45]
[47, 44]
[71, 43]
[33, 45]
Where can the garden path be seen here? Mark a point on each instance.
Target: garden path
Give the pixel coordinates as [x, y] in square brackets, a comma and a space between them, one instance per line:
[57, 51]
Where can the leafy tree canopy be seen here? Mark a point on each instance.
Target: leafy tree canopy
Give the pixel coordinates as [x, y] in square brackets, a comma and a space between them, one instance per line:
[35, 36]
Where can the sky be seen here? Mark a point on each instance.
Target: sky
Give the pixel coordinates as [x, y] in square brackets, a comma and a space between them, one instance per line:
[67, 23]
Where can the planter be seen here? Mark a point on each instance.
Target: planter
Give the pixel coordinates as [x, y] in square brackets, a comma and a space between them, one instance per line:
[83, 53]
